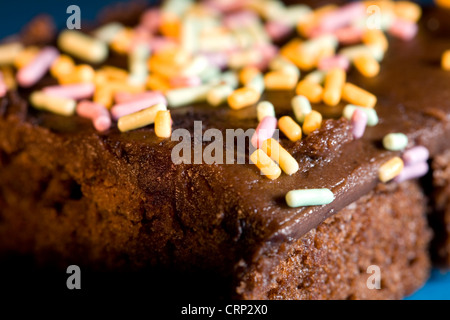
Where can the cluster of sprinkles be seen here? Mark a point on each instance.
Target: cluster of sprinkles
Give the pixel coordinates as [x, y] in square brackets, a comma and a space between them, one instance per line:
[223, 52]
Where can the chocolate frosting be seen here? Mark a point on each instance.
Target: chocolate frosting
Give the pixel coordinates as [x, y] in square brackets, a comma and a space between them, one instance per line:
[413, 98]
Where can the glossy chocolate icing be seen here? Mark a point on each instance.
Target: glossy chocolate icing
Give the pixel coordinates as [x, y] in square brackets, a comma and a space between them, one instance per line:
[413, 97]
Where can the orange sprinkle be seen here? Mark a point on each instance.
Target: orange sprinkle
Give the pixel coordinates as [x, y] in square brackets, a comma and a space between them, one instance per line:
[313, 121]
[278, 80]
[446, 60]
[247, 74]
[243, 97]
[311, 90]
[358, 96]
[290, 128]
[375, 37]
[334, 81]
[367, 65]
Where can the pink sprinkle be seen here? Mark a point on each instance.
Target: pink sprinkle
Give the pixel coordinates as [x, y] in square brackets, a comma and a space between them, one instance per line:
[184, 81]
[349, 35]
[226, 5]
[404, 30]
[240, 19]
[359, 122]
[96, 112]
[268, 52]
[343, 16]
[218, 58]
[35, 70]
[415, 155]
[337, 61]
[159, 43]
[413, 171]
[72, 91]
[151, 20]
[122, 97]
[264, 131]
[122, 109]
[277, 30]
[3, 87]
[140, 37]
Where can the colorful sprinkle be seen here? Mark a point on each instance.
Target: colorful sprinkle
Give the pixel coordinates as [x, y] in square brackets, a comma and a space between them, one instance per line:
[54, 104]
[280, 155]
[334, 82]
[82, 46]
[395, 141]
[301, 107]
[264, 109]
[36, 69]
[390, 169]
[358, 96]
[313, 121]
[96, 112]
[359, 122]
[267, 166]
[163, 124]
[415, 155]
[264, 130]
[290, 128]
[309, 197]
[372, 116]
[412, 171]
[140, 119]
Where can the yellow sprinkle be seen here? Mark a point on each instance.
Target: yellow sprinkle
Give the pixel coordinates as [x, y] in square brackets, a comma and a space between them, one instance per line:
[163, 124]
[243, 97]
[54, 104]
[62, 66]
[25, 56]
[390, 169]
[446, 60]
[290, 128]
[313, 91]
[313, 121]
[267, 166]
[9, 51]
[357, 96]
[140, 119]
[83, 46]
[367, 65]
[280, 155]
[334, 82]
[278, 80]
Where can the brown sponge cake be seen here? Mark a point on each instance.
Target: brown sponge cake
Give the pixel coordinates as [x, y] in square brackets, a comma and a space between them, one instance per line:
[115, 201]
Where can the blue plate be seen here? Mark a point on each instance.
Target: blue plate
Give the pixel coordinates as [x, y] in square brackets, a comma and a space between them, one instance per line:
[436, 288]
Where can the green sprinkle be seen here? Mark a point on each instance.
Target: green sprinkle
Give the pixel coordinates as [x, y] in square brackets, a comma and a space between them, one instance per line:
[309, 197]
[395, 141]
[372, 116]
[301, 107]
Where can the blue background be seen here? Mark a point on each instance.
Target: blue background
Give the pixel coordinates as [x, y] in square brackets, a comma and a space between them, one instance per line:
[13, 16]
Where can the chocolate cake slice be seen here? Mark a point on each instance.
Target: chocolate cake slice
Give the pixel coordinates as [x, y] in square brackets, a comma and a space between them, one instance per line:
[115, 201]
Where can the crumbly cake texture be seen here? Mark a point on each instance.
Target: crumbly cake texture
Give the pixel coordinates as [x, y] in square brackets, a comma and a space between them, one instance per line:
[440, 218]
[386, 228]
[116, 202]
